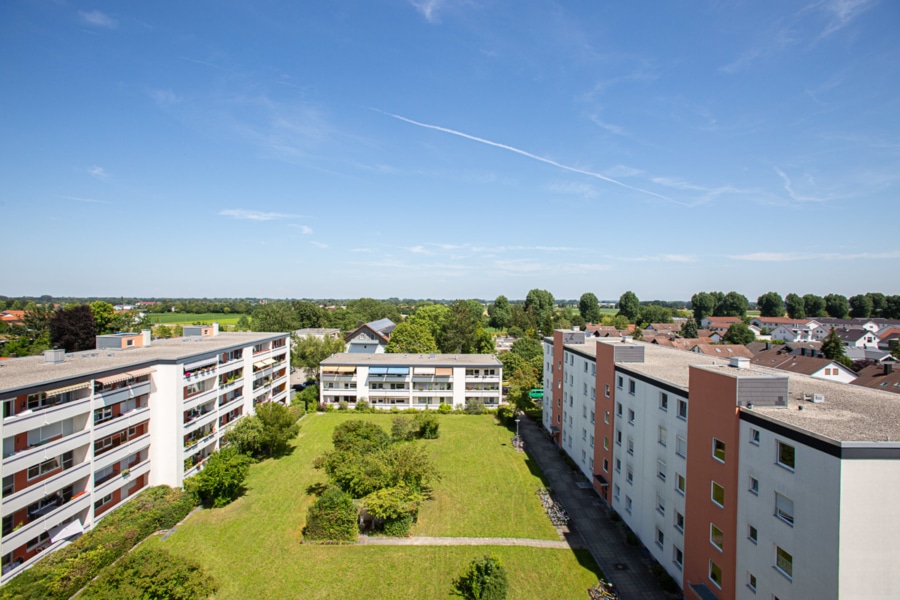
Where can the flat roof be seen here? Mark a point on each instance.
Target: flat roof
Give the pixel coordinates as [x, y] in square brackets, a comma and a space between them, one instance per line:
[31, 371]
[356, 359]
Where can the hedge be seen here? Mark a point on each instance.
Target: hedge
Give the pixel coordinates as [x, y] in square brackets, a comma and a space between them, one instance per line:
[62, 573]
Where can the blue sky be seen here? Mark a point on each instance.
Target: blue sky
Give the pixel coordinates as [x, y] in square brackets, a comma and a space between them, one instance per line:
[444, 149]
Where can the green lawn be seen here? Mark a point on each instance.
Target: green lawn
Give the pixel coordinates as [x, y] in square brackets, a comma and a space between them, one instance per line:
[254, 549]
[171, 318]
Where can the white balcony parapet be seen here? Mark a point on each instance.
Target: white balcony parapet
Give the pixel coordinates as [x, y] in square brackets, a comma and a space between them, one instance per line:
[117, 481]
[28, 421]
[48, 486]
[45, 523]
[38, 454]
[121, 395]
[122, 451]
[121, 422]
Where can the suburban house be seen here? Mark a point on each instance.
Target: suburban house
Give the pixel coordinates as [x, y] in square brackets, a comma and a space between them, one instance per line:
[820, 368]
[719, 324]
[370, 338]
[318, 332]
[858, 338]
[770, 323]
[879, 377]
[722, 350]
[13, 317]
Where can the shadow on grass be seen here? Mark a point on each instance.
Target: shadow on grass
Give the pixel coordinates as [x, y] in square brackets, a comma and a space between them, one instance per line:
[316, 489]
[587, 561]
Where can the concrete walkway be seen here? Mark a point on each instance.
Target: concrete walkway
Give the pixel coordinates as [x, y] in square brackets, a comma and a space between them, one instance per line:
[459, 541]
[590, 525]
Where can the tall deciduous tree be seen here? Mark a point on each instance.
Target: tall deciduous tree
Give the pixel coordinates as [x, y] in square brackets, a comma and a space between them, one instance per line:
[813, 306]
[541, 303]
[739, 333]
[274, 316]
[461, 330]
[860, 306]
[629, 306]
[689, 329]
[589, 307]
[794, 306]
[703, 305]
[309, 351]
[432, 317]
[732, 305]
[499, 313]
[837, 306]
[308, 314]
[411, 338]
[105, 319]
[878, 303]
[73, 329]
[770, 304]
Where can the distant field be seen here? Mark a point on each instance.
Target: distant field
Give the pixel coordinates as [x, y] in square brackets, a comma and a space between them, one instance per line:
[171, 318]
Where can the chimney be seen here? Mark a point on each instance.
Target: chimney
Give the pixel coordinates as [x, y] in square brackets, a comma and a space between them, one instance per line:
[215, 328]
[888, 368]
[145, 333]
[55, 357]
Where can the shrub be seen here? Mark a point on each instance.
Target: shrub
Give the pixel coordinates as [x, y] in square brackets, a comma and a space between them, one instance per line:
[445, 408]
[359, 436]
[64, 572]
[395, 507]
[362, 405]
[474, 406]
[332, 518]
[506, 416]
[222, 478]
[484, 579]
[427, 425]
[343, 405]
[402, 429]
[151, 573]
[399, 527]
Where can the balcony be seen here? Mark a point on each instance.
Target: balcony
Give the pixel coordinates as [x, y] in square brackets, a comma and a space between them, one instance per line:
[38, 454]
[198, 438]
[121, 394]
[32, 494]
[129, 419]
[200, 421]
[118, 480]
[79, 503]
[29, 420]
[201, 398]
[231, 402]
[121, 451]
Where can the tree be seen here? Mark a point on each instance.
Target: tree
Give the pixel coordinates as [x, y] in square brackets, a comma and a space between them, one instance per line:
[332, 518]
[309, 351]
[246, 436]
[222, 477]
[589, 308]
[395, 506]
[432, 317]
[105, 319]
[770, 304]
[837, 306]
[73, 329]
[37, 319]
[653, 313]
[860, 306]
[308, 315]
[813, 306]
[461, 330]
[243, 324]
[274, 316]
[689, 329]
[541, 304]
[629, 306]
[833, 348]
[499, 313]
[703, 305]
[411, 338]
[483, 579]
[369, 310]
[360, 437]
[732, 305]
[794, 306]
[739, 333]
[279, 427]
[878, 303]
[530, 349]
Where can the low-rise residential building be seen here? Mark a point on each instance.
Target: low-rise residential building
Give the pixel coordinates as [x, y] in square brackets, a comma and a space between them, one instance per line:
[370, 338]
[820, 368]
[423, 381]
[84, 432]
[742, 481]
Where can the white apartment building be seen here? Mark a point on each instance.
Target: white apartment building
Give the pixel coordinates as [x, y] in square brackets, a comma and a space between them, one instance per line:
[423, 381]
[84, 432]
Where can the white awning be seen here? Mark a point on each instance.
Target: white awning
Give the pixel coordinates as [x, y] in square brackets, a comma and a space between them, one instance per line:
[111, 379]
[68, 530]
[68, 388]
[423, 370]
[209, 361]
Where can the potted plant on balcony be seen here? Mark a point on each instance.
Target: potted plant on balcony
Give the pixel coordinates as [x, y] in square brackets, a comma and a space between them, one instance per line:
[126, 472]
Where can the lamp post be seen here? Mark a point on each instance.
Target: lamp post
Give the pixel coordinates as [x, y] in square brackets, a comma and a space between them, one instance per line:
[518, 440]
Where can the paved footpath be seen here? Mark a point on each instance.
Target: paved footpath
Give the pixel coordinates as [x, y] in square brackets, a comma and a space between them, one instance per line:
[459, 541]
[590, 524]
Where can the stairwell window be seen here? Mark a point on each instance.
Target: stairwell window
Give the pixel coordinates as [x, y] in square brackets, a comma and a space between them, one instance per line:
[663, 401]
[785, 456]
[718, 450]
[715, 574]
[717, 494]
[784, 563]
[716, 537]
[784, 508]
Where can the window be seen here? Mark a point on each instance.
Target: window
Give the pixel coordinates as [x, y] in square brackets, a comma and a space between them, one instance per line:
[718, 494]
[605, 465]
[660, 505]
[661, 469]
[43, 468]
[40, 540]
[103, 414]
[630, 446]
[677, 556]
[680, 446]
[715, 574]
[784, 509]
[605, 442]
[583, 434]
[628, 504]
[606, 417]
[620, 382]
[618, 466]
[103, 501]
[616, 492]
[716, 537]
[660, 538]
[585, 366]
[592, 417]
[584, 412]
[618, 437]
[631, 386]
[629, 475]
[680, 482]
[630, 416]
[661, 435]
[618, 409]
[584, 392]
[663, 401]
[592, 442]
[784, 563]
[754, 485]
[754, 436]
[593, 393]
[679, 521]
[752, 534]
[718, 450]
[785, 456]
[607, 390]
[751, 581]
[682, 409]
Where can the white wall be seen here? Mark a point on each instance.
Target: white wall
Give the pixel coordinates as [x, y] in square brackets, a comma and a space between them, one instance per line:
[166, 419]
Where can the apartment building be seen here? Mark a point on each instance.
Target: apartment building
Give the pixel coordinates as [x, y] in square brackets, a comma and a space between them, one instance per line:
[423, 381]
[740, 480]
[84, 432]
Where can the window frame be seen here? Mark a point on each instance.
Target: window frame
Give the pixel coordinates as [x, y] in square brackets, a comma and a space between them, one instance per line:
[718, 447]
[714, 485]
[779, 455]
[789, 573]
[716, 533]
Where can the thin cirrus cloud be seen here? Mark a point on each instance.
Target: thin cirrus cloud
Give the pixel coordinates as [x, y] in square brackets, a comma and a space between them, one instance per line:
[789, 188]
[97, 18]
[304, 229]
[255, 215]
[799, 256]
[528, 155]
[428, 8]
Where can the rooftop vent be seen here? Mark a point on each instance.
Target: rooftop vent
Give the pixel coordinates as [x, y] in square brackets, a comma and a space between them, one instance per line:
[55, 357]
[818, 398]
[739, 362]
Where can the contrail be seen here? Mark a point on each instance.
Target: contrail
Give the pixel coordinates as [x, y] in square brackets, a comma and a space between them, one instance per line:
[526, 154]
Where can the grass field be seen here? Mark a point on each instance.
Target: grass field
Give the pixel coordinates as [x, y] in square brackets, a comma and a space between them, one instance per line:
[170, 318]
[254, 548]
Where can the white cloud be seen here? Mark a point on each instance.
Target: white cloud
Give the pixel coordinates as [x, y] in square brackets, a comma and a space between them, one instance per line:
[797, 256]
[85, 200]
[842, 12]
[611, 128]
[428, 8]
[255, 215]
[98, 173]
[789, 188]
[572, 188]
[304, 229]
[97, 18]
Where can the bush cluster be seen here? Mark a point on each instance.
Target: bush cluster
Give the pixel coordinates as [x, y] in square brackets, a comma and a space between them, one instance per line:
[332, 517]
[483, 579]
[151, 573]
[64, 572]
